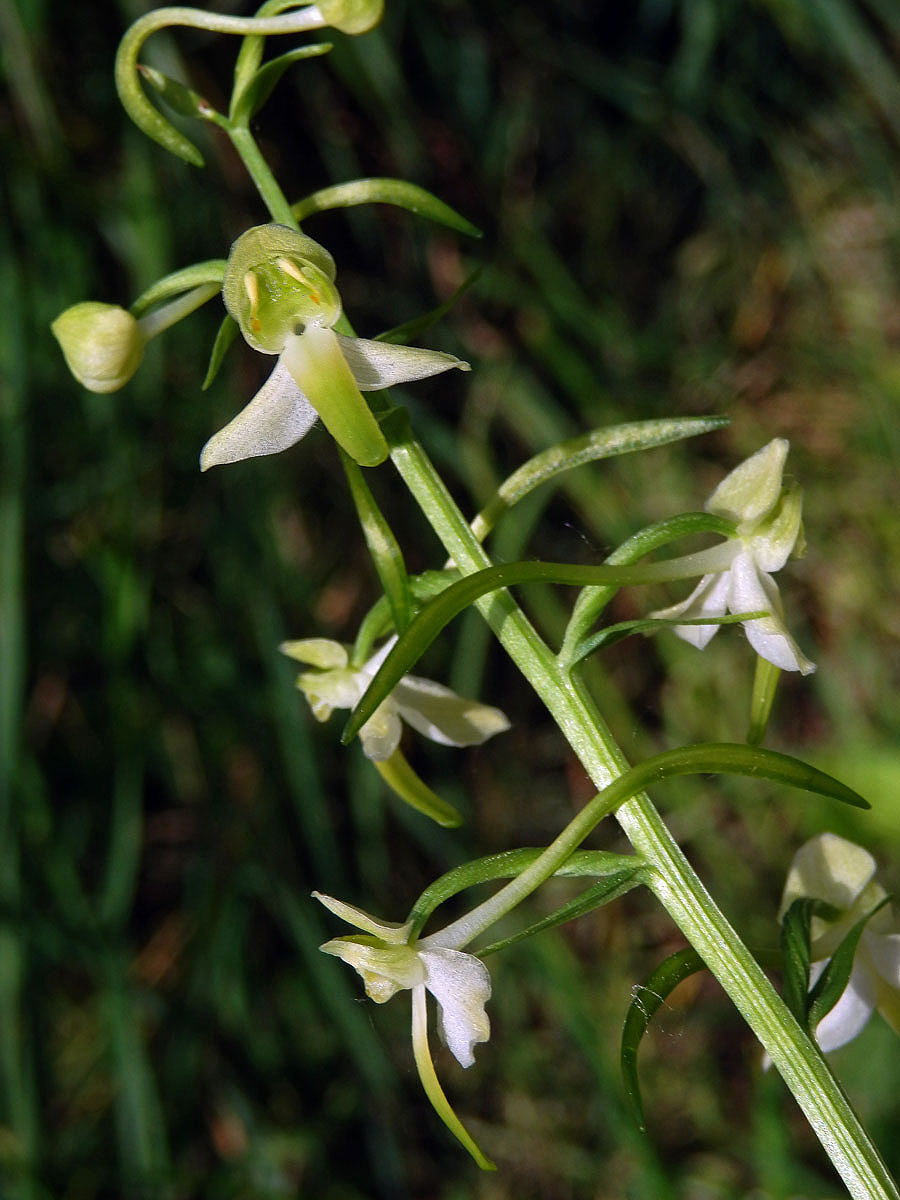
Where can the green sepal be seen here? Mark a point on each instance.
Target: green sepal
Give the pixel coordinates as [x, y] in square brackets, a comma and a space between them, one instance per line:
[181, 99]
[211, 271]
[228, 331]
[387, 556]
[403, 780]
[411, 331]
[590, 447]
[251, 99]
[765, 685]
[607, 890]
[830, 985]
[384, 191]
[506, 865]
[648, 997]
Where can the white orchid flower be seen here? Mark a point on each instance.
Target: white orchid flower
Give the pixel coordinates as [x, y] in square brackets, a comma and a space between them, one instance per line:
[769, 530]
[842, 874]
[428, 707]
[279, 287]
[460, 983]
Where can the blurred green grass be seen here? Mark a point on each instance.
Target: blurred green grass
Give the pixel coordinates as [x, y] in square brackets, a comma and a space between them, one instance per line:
[689, 207]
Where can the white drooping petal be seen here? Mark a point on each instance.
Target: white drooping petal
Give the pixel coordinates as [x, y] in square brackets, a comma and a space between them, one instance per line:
[708, 599]
[278, 416]
[852, 1011]
[461, 984]
[751, 590]
[753, 487]
[829, 868]
[378, 365]
[441, 715]
[380, 736]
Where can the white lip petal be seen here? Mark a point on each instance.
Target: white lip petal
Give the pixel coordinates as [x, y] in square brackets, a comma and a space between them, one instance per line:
[751, 590]
[278, 416]
[380, 365]
[461, 984]
[441, 715]
[850, 1014]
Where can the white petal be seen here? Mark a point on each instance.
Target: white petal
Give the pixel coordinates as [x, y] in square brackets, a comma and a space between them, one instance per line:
[441, 715]
[753, 487]
[278, 416]
[884, 952]
[752, 591]
[328, 690]
[774, 543]
[852, 1011]
[461, 984]
[708, 599]
[380, 736]
[380, 365]
[829, 868]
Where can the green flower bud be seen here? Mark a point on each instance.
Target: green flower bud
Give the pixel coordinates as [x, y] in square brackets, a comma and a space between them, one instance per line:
[102, 343]
[277, 282]
[352, 16]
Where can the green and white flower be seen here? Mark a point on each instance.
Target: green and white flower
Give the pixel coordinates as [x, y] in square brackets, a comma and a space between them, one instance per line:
[432, 709]
[769, 531]
[279, 287]
[842, 874]
[389, 962]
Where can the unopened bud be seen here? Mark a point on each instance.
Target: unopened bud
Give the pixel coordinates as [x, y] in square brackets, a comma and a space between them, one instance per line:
[352, 16]
[102, 344]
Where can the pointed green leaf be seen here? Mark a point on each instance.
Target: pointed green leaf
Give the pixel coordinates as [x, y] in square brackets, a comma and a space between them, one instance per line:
[257, 92]
[795, 939]
[647, 999]
[411, 331]
[601, 893]
[228, 331]
[829, 987]
[384, 191]
[590, 447]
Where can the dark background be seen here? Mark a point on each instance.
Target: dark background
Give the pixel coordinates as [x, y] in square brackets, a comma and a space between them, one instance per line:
[687, 207]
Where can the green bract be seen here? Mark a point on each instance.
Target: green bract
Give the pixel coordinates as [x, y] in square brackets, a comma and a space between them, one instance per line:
[279, 288]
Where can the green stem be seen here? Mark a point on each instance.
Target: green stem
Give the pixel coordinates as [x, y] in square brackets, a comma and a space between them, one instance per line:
[675, 883]
[259, 171]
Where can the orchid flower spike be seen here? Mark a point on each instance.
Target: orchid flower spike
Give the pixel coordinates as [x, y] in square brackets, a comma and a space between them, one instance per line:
[460, 983]
[428, 707]
[279, 287]
[769, 531]
[842, 874]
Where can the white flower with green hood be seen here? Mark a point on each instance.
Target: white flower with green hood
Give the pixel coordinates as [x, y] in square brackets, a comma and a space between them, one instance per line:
[279, 287]
[769, 531]
[389, 962]
[430, 708]
[841, 874]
